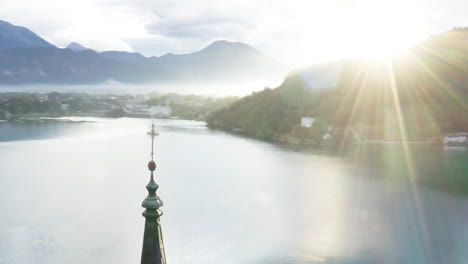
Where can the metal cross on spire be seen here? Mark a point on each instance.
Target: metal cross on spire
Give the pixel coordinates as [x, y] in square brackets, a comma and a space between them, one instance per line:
[153, 246]
[152, 133]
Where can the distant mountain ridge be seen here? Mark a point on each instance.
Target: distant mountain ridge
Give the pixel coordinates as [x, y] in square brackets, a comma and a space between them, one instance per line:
[123, 56]
[30, 59]
[52, 65]
[12, 36]
[76, 47]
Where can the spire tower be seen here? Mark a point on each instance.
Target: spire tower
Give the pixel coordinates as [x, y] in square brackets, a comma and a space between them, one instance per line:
[153, 246]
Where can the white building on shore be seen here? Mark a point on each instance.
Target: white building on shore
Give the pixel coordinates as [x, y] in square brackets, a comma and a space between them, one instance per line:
[456, 139]
[307, 121]
[144, 110]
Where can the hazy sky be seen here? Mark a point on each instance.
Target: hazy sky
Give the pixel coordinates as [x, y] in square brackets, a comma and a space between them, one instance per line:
[295, 32]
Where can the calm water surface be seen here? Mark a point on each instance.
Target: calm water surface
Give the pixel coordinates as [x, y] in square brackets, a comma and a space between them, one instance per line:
[71, 193]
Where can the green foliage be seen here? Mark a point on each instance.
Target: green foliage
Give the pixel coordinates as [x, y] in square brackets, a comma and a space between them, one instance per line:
[413, 97]
[56, 104]
[21, 105]
[118, 112]
[267, 113]
[193, 107]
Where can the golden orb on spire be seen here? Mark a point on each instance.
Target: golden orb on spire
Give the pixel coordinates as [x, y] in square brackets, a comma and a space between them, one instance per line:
[152, 165]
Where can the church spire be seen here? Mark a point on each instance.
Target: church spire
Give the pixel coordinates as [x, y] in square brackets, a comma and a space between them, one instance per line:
[153, 246]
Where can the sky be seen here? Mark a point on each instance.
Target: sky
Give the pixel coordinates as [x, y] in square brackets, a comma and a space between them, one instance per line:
[294, 32]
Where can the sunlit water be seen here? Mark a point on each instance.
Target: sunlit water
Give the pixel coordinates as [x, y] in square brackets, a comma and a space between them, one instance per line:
[71, 193]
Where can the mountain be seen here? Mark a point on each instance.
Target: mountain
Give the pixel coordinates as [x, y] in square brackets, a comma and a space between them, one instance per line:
[414, 96]
[322, 76]
[227, 62]
[14, 37]
[76, 47]
[53, 65]
[27, 58]
[221, 60]
[123, 56]
[271, 112]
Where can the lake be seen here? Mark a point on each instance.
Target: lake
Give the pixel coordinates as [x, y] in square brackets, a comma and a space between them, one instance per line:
[71, 192]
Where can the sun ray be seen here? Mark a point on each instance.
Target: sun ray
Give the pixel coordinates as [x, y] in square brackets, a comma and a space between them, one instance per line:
[441, 82]
[408, 157]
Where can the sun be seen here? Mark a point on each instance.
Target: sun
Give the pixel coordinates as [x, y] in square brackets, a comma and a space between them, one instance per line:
[386, 37]
[376, 29]
[385, 28]
[384, 45]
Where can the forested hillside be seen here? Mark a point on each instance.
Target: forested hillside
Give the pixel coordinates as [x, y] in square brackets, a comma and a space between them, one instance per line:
[417, 95]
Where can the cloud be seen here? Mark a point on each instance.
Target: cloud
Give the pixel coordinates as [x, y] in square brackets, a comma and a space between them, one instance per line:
[187, 26]
[98, 24]
[200, 28]
[291, 31]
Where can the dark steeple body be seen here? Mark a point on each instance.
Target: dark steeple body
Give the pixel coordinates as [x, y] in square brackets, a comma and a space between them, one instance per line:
[153, 246]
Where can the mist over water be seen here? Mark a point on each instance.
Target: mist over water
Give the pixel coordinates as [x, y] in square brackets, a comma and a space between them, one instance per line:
[71, 193]
[213, 88]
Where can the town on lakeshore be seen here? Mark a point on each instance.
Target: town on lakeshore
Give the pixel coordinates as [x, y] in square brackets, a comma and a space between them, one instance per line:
[18, 107]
